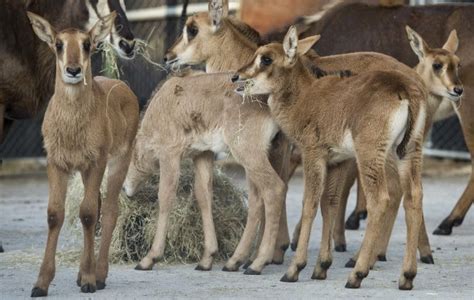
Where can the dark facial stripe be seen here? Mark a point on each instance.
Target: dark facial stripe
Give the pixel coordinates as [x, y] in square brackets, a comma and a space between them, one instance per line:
[121, 22]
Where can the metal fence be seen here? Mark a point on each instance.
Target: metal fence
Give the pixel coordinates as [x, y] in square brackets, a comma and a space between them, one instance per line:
[160, 31]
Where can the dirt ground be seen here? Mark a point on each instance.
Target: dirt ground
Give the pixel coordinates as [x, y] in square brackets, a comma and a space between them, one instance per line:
[23, 202]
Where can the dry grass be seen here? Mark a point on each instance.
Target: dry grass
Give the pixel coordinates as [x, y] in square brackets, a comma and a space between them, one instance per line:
[135, 228]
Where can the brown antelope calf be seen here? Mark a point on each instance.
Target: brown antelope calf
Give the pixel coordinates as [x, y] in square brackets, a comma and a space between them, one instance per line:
[90, 124]
[367, 116]
[223, 44]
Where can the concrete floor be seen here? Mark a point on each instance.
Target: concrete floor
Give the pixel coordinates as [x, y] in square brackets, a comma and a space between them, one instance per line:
[23, 202]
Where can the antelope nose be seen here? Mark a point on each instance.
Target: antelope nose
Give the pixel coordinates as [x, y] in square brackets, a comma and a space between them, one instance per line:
[73, 71]
[458, 90]
[168, 57]
[126, 47]
[235, 78]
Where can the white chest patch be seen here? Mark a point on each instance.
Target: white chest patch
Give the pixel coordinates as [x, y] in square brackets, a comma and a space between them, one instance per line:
[344, 151]
[210, 141]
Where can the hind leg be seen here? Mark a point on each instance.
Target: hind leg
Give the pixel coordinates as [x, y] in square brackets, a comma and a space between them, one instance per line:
[117, 170]
[346, 181]
[203, 165]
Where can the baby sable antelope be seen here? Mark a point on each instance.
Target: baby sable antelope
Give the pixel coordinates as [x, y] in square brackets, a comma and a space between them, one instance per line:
[89, 124]
[331, 119]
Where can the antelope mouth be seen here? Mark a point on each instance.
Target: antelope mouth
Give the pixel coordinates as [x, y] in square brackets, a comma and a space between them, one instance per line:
[454, 97]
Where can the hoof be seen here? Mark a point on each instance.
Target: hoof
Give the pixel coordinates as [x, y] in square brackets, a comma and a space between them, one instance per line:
[277, 262]
[381, 257]
[406, 286]
[294, 246]
[201, 268]
[140, 268]
[247, 264]
[340, 248]
[320, 276]
[100, 285]
[352, 222]
[427, 259]
[38, 292]
[286, 278]
[88, 288]
[226, 269]
[325, 264]
[354, 285]
[1, 249]
[445, 228]
[250, 271]
[350, 264]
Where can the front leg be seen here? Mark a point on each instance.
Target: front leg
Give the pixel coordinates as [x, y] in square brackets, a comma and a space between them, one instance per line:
[314, 164]
[57, 181]
[88, 213]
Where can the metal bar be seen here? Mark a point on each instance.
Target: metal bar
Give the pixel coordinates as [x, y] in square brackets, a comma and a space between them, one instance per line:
[447, 154]
[162, 12]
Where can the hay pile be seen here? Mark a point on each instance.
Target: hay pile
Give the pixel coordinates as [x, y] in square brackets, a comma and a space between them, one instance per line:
[135, 228]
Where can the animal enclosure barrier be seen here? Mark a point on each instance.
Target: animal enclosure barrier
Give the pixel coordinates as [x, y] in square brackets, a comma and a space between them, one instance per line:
[159, 28]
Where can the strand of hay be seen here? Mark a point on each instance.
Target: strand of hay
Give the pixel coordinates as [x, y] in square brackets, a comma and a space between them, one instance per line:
[136, 224]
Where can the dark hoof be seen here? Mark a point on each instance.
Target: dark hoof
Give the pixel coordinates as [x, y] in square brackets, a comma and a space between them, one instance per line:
[225, 269]
[1, 249]
[250, 271]
[88, 288]
[381, 257]
[140, 268]
[325, 264]
[78, 281]
[340, 248]
[38, 292]
[352, 222]
[294, 246]
[350, 264]
[350, 285]
[100, 285]
[445, 228]
[284, 247]
[427, 259]
[285, 278]
[247, 264]
[201, 268]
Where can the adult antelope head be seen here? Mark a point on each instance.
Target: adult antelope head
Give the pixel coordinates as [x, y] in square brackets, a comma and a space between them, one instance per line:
[72, 47]
[439, 68]
[266, 71]
[194, 44]
[121, 37]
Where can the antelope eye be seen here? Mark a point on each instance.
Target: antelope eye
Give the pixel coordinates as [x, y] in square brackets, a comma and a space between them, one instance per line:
[87, 46]
[192, 31]
[437, 66]
[59, 46]
[266, 61]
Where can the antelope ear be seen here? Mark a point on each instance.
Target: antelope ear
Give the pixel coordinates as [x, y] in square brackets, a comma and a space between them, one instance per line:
[452, 43]
[417, 43]
[42, 28]
[102, 29]
[218, 9]
[306, 44]
[290, 44]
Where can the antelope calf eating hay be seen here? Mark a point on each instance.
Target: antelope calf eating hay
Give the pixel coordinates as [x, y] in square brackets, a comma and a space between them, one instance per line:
[368, 116]
[90, 124]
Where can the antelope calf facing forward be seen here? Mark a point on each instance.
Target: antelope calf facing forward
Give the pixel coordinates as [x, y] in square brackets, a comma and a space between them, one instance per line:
[90, 124]
[368, 116]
